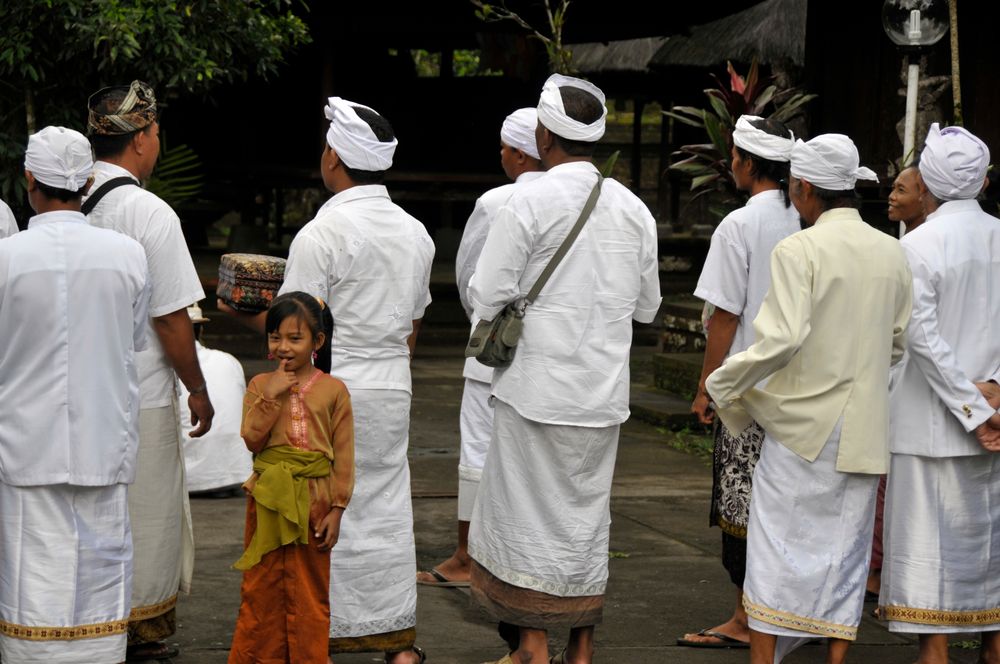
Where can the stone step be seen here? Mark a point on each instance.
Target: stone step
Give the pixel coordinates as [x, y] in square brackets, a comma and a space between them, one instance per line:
[682, 331]
[662, 409]
[677, 373]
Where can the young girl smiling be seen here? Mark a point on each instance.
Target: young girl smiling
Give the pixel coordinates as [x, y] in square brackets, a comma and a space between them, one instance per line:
[297, 421]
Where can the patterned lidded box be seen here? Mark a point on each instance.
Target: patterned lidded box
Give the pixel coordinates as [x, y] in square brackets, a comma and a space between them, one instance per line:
[248, 282]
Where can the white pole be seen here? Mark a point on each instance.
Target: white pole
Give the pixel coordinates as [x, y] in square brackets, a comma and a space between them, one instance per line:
[910, 124]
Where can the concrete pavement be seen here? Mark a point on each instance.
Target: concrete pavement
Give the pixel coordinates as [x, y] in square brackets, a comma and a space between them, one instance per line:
[665, 574]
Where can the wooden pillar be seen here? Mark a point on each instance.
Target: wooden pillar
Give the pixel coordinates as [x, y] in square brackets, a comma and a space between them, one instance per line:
[636, 166]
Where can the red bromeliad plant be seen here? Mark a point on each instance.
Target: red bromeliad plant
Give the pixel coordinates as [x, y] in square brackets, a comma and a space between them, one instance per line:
[708, 164]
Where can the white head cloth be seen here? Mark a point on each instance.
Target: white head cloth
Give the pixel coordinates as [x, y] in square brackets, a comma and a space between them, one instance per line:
[354, 141]
[552, 113]
[759, 142]
[953, 163]
[829, 161]
[60, 158]
[518, 131]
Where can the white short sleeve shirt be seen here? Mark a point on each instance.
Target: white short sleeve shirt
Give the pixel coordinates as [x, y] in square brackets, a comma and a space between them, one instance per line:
[174, 282]
[73, 310]
[370, 262]
[737, 271]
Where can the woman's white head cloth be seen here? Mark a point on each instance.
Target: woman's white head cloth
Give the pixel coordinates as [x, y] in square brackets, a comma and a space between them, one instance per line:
[552, 113]
[829, 161]
[518, 131]
[60, 158]
[953, 163]
[353, 139]
[759, 142]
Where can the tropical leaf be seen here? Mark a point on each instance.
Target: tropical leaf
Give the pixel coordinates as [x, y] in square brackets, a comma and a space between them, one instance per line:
[707, 164]
[682, 113]
[177, 177]
[702, 180]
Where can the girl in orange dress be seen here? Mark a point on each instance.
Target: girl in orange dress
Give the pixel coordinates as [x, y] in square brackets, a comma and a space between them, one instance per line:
[297, 421]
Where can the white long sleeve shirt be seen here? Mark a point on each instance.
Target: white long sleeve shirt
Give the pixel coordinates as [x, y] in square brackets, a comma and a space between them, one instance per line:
[571, 365]
[831, 325]
[370, 262]
[469, 250]
[73, 313]
[954, 335]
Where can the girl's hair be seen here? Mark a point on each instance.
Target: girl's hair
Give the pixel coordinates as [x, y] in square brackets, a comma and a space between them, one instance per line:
[766, 169]
[308, 309]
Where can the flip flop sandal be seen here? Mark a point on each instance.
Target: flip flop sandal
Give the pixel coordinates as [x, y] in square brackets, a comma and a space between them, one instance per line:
[441, 581]
[724, 641]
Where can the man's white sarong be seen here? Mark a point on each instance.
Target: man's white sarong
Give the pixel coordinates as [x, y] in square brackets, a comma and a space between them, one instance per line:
[161, 516]
[373, 567]
[66, 576]
[476, 426]
[542, 517]
[808, 544]
[941, 571]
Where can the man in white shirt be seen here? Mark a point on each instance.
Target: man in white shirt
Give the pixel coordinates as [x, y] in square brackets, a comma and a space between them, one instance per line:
[831, 324]
[520, 162]
[219, 462]
[733, 281]
[124, 131]
[72, 314]
[540, 526]
[8, 225]
[370, 262]
[942, 510]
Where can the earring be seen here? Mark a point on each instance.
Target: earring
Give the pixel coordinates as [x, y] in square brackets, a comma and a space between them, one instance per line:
[315, 356]
[270, 356]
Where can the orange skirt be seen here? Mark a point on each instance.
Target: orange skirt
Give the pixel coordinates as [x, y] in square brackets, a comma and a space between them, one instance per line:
[284, 604]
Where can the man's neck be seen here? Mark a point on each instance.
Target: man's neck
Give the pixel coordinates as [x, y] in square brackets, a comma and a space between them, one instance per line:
[56, 205]
[558, 160]
[123, 162]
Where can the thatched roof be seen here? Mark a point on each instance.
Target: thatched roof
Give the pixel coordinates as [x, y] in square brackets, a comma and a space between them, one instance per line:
[771, 31]
[627, 55]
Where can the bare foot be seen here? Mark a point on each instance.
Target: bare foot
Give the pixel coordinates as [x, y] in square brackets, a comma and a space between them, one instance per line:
[731, 628]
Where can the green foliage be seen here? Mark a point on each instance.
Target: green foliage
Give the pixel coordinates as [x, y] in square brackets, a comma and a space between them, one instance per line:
[55, 53]
[708, 165]
[177, 177]
[560, 57]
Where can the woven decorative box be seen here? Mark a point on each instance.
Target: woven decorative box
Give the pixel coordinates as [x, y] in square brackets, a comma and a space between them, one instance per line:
[248, 282]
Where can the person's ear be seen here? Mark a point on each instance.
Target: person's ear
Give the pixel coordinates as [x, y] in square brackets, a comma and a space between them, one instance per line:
[319, 341]
[138, 142]
[32, 182]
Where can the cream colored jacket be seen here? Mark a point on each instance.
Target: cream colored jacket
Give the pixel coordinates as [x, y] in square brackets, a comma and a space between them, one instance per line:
[832, 323]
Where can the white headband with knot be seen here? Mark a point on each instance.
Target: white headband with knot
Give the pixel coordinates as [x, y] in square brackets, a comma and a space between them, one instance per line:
[829, 161]
[953, 164]
[760, 143]
[552, 113]
[60, 158]
[353, 139]
[518, 131]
